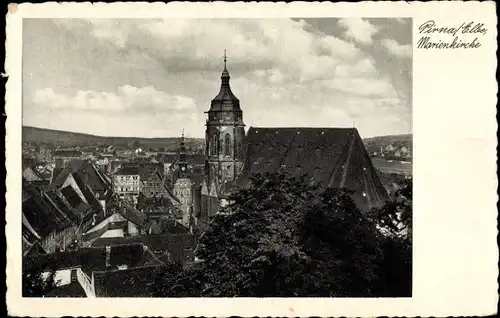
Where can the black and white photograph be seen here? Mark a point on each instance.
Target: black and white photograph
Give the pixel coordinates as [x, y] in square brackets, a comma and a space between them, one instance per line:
[217, 157]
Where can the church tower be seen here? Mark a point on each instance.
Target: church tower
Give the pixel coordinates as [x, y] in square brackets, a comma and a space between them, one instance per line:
[183, 187]
[182, 163]
[224, 134]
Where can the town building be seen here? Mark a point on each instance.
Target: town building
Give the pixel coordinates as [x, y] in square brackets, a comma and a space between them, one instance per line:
[66, 155]
[121, 222]
[126, 183]
[88, 175]
[44, 154]
[85, 272]
[56, 217]
[152, 181]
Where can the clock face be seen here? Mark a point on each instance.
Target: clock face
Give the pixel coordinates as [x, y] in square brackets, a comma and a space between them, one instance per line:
[183, 168]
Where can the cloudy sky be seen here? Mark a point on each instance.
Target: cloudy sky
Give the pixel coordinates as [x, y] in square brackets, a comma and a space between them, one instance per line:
[153, 77]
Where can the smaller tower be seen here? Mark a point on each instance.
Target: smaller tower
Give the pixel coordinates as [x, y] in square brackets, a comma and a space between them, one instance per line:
[183, 187]
[182, 164]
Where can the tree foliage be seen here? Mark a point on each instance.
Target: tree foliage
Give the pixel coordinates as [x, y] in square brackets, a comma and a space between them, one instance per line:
[282, 237]
[395, 220]
[36, 284]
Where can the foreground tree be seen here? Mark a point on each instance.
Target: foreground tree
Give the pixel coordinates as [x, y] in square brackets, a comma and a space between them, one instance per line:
[395, 220]
[282, 237]
[35, 284]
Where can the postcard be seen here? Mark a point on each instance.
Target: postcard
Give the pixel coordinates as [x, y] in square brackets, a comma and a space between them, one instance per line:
[251, 159]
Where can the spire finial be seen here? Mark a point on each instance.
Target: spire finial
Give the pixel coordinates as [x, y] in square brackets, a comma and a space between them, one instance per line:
[225, 58]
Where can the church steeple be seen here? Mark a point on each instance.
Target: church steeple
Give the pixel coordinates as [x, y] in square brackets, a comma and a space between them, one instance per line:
[225, 74]
[225, 100]
[225, 132]
[182, 157]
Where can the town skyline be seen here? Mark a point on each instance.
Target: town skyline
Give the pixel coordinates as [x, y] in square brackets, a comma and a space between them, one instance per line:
[142, 79]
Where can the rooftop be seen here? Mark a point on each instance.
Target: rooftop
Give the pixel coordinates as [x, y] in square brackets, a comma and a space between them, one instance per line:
[329, 157]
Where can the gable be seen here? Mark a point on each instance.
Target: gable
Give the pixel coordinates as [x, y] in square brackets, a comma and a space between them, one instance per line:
[71, 182]
[116, 217]
[31, 174]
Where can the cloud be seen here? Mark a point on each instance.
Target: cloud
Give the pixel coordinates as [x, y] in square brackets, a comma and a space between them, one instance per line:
[403, 20]
[282, 72]
[358, 29]
[393, 47]
[127, 99]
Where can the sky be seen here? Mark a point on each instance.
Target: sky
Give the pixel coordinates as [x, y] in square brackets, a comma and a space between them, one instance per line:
[155, 77]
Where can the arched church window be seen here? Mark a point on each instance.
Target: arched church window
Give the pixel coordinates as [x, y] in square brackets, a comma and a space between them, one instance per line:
[215, 143]
[219, 145]
[227, 145]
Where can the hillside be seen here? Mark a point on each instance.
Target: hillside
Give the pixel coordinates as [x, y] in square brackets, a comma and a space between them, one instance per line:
[397, 141]
[69, 139]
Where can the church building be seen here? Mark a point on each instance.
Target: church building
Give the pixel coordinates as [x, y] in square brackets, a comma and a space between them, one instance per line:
[329, 157]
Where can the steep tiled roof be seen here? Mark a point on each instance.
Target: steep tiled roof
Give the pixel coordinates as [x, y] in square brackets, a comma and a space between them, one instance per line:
[42, 212]
[329, 157]
[128, 171]
[117, 283]
[73, 289]
[32, 248]
[93, 258]
[86, 172]
[176, 247]
[146, 169]
[75, 201]
[168, 226]
[31, 174]
[133, 215]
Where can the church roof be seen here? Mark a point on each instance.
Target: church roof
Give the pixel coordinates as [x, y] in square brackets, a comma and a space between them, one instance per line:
[330, 157]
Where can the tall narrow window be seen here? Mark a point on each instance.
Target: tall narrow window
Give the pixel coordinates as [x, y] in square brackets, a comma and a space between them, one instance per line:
[215, 142]
[227, 145]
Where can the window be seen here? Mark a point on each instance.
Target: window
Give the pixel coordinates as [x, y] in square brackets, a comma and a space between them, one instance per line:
[227, 145]
[214, 145]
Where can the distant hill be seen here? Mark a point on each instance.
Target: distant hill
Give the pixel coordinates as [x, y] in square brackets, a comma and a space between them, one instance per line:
[69, 139]
[397, 141]
[390, 139]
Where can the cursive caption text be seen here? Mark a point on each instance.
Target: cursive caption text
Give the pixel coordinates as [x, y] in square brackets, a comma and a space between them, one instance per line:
[464, 36]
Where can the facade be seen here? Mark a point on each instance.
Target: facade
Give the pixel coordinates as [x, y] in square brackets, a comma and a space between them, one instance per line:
[152, 183]
[126, 183]
[124, 222]
[183, 190]
[224, 134]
